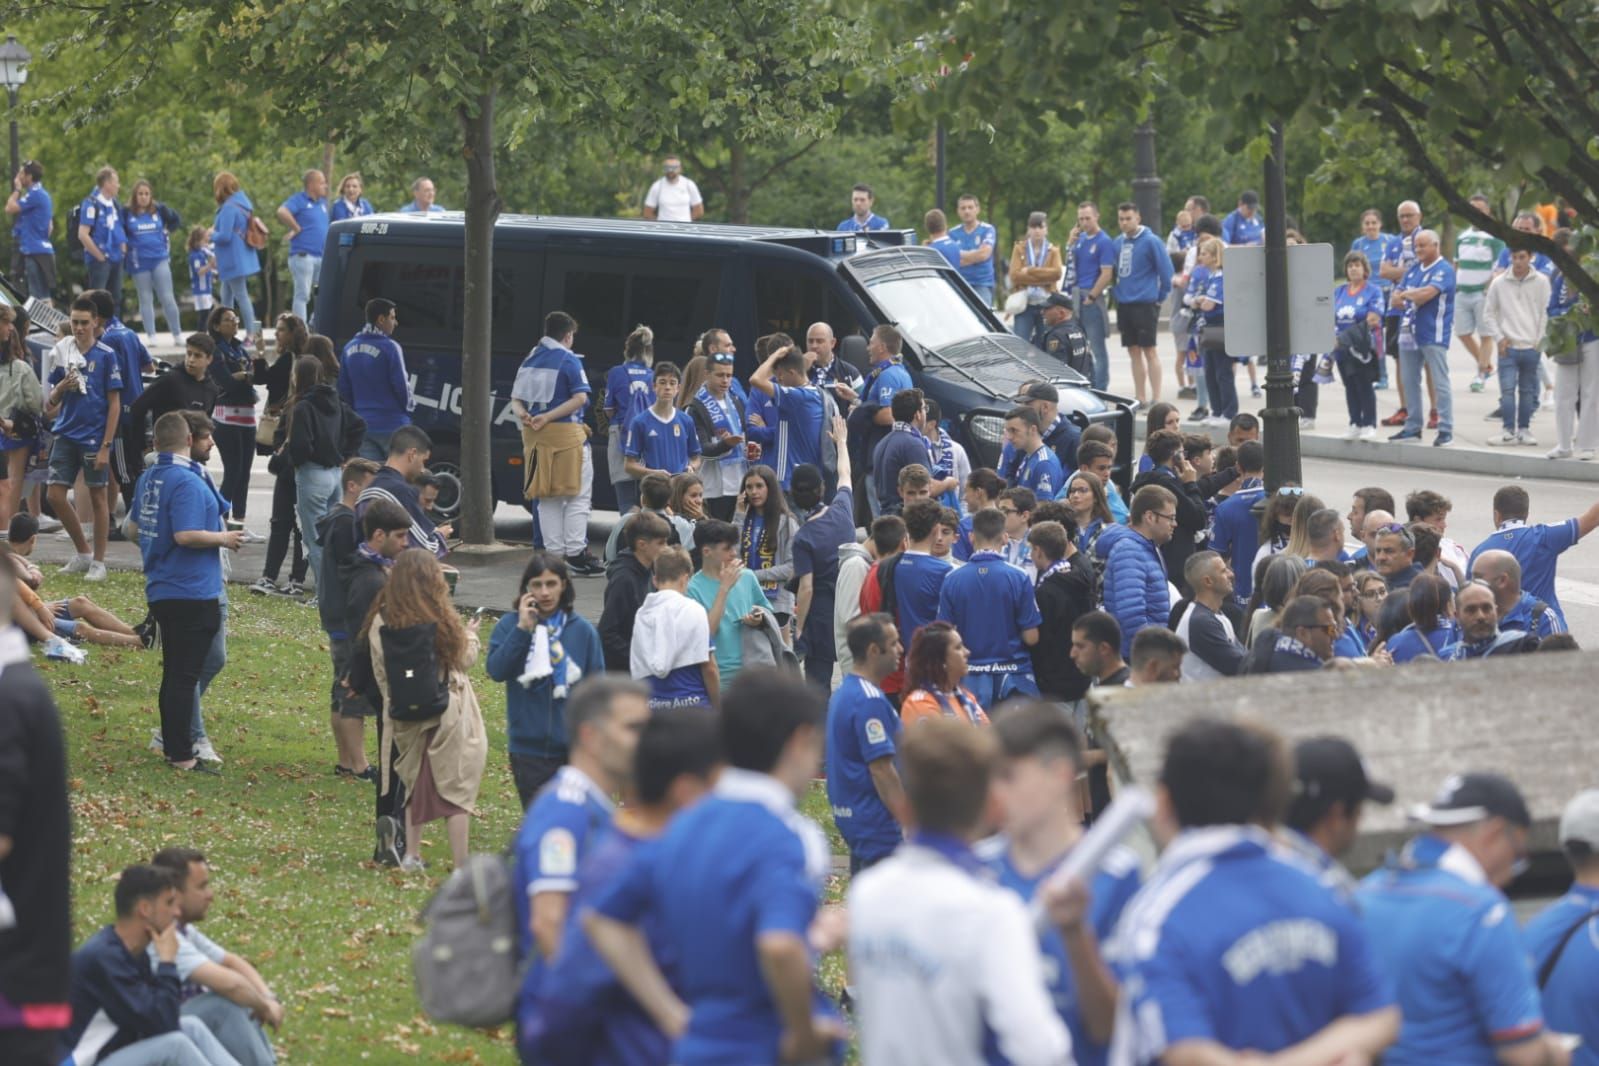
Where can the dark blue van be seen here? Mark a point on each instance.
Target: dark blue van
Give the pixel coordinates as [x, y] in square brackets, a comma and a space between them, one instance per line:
[680, 279]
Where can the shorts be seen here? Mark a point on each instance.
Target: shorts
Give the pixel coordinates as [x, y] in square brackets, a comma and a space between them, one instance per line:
[66, 628]
[345, 703]
[1136, 323]
[68, 458]
[1468, 312]
[204, 301]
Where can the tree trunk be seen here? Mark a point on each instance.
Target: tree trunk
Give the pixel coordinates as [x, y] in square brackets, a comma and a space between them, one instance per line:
[477, 413]
[738, 193]
[327, 169]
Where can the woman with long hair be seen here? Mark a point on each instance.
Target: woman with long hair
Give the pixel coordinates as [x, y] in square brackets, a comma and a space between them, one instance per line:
[934, 670]
[1370, 592]
[237, 262]
[720, 421]
[1085, 497]
[149, 225]
[21, 400]
[234, 374]
[540, 650]
[1161, 416]
[1277, 521]
[766, 537]
[1431, 609]
[629, 392]
[1299, 525]
[326, 354]
[1328, 587]
[283, 533]
[440, 760]
[314, 440]
[1272, 592]
[688, 509]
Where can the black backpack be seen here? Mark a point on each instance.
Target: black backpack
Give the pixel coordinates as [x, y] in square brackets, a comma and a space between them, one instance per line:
[74, 220]
[417, 690]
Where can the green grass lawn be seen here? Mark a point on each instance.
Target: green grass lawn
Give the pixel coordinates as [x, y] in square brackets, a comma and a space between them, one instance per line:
[288, 843]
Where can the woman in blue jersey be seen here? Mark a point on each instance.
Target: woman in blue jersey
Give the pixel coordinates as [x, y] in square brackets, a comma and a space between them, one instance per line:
[1357, 321]
[149, 225]
[1432, 621]
[350, 204]
[1212, 307]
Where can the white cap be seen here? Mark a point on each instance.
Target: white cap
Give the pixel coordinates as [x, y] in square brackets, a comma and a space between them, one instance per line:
[1580, 821]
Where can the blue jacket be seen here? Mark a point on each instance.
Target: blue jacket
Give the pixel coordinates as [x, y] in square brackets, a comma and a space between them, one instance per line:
[123, 990]
[1107, 540]
[373, 380]
[535, 720]
[1135, 585]
[1143, 268]
[235, 258]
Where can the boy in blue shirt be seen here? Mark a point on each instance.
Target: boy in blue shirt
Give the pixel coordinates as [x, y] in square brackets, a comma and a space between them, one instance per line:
[1243, 224]
[1036, 784]
[1564, 937]
[1441, 926]
[306, 216]
[938, 239]
[662, 439]
[805, 413]
[85, 401]
[919, 575]
[604, 718]
[733, 885]
[976, 241]
[628, 388]
[582, 1015]
[1231, 945]
[991, 603]
[863, 784]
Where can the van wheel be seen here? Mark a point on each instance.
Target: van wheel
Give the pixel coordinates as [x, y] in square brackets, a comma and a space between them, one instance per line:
[446, 466]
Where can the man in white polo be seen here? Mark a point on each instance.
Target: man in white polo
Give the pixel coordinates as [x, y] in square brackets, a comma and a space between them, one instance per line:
[674, 198]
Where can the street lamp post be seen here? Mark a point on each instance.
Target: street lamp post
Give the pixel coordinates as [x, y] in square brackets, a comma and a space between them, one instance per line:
[13, 74]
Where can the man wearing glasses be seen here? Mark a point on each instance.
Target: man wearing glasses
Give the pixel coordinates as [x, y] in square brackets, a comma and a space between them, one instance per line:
[1393, 555]
[1440, 925]
[1136, 591]
[674, 198]
[1305, 636]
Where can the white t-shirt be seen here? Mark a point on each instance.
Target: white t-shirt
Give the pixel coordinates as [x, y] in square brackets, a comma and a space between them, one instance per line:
[674, 201]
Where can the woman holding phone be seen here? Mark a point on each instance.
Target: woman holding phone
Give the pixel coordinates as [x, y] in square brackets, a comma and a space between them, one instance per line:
[766, 538]
[539, 652]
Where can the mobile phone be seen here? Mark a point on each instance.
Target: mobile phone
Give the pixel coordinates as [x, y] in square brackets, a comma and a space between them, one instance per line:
[480, 612]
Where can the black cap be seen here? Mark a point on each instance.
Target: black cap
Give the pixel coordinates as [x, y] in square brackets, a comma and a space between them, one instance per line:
[1249, 198]
[1058, 299]
[1040, 390]
[1467, 798]
[1329, 769]
[806, 479]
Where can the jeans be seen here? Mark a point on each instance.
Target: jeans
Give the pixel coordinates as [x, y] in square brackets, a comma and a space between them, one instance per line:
[216, 657]
[1436, 357]
[39, 271]
[314, 486]
[1091, 316]
[375, 446]
[1577, 385]
[191, 1044]
[1360, 394]
[565, 519]
[1219, 383]
[1027, 321]
[531, 773]
[306, 270]
[238, 1033]
[235, 293]
[282, 530]
[237, 445]
[187, 629]
[152, 285]
[105, 275]
[1518, 387]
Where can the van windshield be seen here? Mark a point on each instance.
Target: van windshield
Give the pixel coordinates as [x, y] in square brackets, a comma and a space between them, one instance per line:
[928, 309]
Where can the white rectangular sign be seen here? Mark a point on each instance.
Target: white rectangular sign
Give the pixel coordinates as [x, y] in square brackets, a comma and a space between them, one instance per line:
[1310, 299]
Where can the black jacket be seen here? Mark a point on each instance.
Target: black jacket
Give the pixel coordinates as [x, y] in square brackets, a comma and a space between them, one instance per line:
[363, 580]
[230, 358]
[1063, 597]
[323, 431]
[1192, 519]
[335, 531]
[173, 391]
[710, 446]
[627, 584]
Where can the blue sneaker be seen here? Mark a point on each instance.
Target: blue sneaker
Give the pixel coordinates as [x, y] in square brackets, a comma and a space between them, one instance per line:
[1407, 434]
[1443, 440]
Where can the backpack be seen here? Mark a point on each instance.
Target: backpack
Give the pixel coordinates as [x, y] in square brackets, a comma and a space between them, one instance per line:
[465, 963]
[74, 220]
[417, 691]
[256, 232]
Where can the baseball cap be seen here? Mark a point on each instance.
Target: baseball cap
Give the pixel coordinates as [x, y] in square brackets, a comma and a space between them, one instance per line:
[1041, 391]
[1467, 798]
[1580, 820]
[1058, 299]
[1330, 769]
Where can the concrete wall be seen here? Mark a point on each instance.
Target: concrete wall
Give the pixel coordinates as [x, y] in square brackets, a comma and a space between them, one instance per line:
[1533, 718]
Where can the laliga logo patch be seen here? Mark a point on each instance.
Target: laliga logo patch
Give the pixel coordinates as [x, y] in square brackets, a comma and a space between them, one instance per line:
[875, 733]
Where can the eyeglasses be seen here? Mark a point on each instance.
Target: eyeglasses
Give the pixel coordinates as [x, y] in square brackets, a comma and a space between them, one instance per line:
[1008, 510]
[1168, 517]
[1374, 594]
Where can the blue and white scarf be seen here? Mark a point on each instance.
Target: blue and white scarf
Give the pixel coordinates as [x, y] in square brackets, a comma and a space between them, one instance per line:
[1054, 568]
[371, 556]
[724, 419]
[546, 658]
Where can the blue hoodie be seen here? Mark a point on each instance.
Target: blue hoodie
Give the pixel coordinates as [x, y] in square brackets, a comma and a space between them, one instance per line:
[1143, 268]
[373, 380]
[235, 258]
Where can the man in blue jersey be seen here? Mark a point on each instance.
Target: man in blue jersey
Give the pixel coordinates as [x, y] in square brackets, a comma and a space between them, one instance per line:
[1243, 224]
[662, 439]
[1396, 262]
[861, 219]
[919, 575]
[1536, 547]
[1235, 530]
[1441, 926]
[1037, 467]
[938, 238]
[84, 400]
[604, 716]
[863, 783]
[133, 358]
[1143, 282]
[1564, 937]
[372, 379]
[1041, 756]
[1230, 946]
[976, 240]
[549, 395]
[1517, 608]
[733, 885]
[582, 1015]
[874, 417]
[1524, 222]
[31, 205]
[1331, 788]
[306, 216]
[991, 603]
[100, 231]
[1427, 295]
[805, 414]
[1093, 266]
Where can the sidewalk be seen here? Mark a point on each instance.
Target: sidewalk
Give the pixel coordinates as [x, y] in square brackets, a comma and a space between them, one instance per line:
[1470, 453]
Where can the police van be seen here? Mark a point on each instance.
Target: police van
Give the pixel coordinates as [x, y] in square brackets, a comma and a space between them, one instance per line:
[680, 279]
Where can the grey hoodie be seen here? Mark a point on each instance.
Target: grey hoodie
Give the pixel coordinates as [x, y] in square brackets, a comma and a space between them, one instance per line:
[854, 562]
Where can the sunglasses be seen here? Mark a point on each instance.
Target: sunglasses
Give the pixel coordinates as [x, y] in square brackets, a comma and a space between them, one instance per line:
[722, 357]
[1391, 527]
[1290, 490]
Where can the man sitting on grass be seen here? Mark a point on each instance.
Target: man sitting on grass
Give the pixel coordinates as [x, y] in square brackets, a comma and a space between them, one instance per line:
[78, 618]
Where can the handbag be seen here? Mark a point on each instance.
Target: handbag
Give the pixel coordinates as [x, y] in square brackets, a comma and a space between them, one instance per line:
[266, 427]
[1213, 338]
[418, 692]
[256, 232]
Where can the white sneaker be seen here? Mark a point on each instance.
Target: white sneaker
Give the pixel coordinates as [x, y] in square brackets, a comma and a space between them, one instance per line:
[205, 752]
[1307, 423]
[1557, 452]
[1526, 439]
[1352, 433]
[96, 572]
[1587, 455]
[1368, 433]
[78, 564]
[48, 524]
[1502, 438]
[156, 743]
[252, 537]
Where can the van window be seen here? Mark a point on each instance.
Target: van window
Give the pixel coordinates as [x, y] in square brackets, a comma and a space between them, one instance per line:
[610, 295]
[430, 291]
[789, 298]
